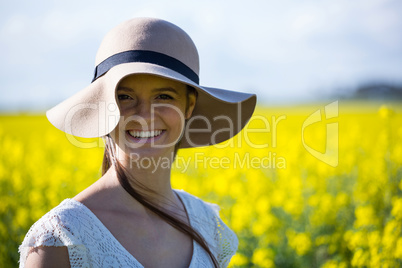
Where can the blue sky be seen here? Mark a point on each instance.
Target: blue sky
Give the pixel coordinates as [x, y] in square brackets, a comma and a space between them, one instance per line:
[284, 51]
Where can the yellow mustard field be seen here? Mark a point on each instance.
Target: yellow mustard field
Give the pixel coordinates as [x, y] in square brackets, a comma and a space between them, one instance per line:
[318, 185]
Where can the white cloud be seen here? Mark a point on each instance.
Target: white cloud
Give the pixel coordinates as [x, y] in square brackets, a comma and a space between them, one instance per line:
[14, 26]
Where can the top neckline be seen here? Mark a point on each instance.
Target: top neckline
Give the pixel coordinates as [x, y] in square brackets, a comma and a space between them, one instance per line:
[117, 242]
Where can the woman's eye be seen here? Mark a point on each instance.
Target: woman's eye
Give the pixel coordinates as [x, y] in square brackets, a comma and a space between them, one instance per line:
[165, 97]
[124, 97]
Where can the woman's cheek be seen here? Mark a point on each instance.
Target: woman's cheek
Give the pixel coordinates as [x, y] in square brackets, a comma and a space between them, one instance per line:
[171, 111]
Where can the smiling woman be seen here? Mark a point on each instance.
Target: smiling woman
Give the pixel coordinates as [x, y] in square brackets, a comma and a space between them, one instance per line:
[144, 92]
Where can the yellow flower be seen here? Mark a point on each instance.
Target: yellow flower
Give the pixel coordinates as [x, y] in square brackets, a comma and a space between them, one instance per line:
[391, 234]
[342, 199]
[238, 260]
[334, 264]
[263, 257]
[385, 111]
[300, 242]
[241, 216]
[260, 203]
[322, 240]
[365, 216]
[264, 223]
[398, 249]
[360, 258]
[355, 239]
[397, 209]
[374, 239]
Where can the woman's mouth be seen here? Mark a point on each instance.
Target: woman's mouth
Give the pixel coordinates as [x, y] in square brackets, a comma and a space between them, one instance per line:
[145, 136]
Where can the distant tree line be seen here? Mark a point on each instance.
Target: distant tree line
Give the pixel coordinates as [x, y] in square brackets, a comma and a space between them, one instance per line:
[378, 90]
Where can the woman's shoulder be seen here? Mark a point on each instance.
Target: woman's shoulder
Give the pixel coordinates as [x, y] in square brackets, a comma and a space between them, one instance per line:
[218, 235]
[195, 203]
[60, 227]
[203, 213]
[68, 213]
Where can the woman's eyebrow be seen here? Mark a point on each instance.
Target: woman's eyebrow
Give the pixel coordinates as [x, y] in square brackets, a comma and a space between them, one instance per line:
[164, 89]
[124, 89]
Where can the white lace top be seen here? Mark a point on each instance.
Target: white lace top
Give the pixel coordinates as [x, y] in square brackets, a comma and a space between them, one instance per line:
[90, 243]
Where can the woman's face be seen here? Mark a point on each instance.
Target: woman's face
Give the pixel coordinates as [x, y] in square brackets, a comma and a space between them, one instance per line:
[153, 112]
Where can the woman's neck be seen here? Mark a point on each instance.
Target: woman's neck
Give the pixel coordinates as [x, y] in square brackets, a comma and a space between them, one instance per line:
[149, 175]
[108, 189]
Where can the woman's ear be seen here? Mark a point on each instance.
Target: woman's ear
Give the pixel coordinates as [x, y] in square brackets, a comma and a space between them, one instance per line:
[191, 100]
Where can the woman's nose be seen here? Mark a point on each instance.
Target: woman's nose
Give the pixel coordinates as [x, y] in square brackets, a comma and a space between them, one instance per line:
[143, 109]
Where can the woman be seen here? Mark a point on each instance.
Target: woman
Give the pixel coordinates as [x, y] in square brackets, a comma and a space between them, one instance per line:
[146, 102]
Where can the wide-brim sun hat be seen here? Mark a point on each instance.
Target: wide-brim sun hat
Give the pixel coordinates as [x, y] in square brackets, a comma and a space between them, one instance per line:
[157, 47]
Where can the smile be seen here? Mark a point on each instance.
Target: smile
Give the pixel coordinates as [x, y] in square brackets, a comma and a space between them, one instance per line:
[144, 134]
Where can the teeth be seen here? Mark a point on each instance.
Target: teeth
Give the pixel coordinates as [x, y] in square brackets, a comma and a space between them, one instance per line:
[145, 134]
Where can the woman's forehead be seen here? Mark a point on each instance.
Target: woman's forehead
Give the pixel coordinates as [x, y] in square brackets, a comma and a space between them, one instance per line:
[149, 81]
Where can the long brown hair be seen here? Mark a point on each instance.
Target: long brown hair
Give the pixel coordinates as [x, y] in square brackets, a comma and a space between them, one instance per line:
[109, 160]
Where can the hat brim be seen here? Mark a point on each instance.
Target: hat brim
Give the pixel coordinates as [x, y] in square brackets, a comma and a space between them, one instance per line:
[93, 112]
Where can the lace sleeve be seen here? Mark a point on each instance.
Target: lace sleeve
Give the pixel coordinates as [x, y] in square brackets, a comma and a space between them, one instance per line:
[225, 239]
[54, 230]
